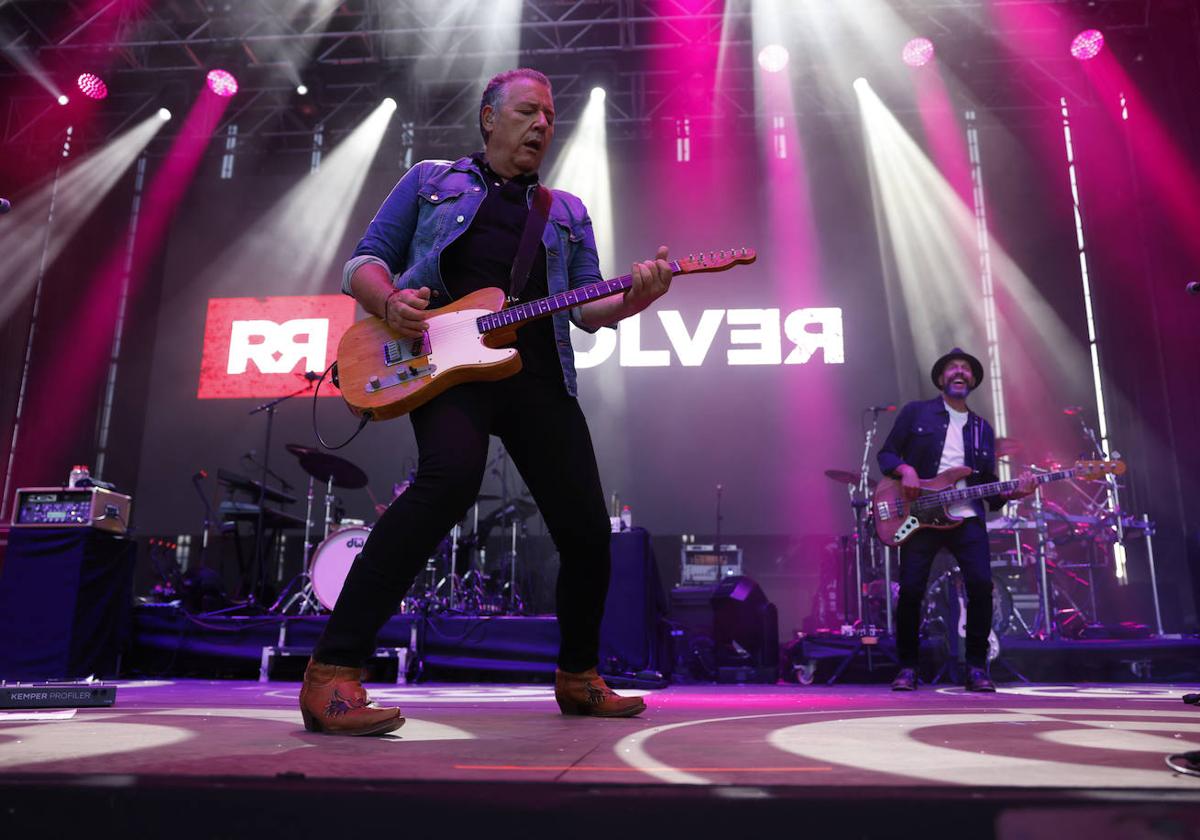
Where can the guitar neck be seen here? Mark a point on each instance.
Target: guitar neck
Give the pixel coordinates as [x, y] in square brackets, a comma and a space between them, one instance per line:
[981, 491]
[521, 313]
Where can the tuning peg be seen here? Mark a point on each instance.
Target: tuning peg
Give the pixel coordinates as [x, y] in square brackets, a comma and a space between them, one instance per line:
[743, 252]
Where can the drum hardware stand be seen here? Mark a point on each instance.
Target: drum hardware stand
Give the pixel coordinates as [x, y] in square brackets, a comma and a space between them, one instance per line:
[1149, 536]
[515, 604]
[860, 502]
[1046, 628]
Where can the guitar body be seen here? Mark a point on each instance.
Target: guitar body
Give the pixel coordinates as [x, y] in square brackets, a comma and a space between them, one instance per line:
[390, 376]
[895, 521]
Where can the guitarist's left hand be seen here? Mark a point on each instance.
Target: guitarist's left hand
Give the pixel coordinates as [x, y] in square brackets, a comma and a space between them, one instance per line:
[651, 280]
[1026, 484]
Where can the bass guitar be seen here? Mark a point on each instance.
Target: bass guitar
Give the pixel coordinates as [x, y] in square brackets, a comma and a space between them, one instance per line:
[897, 519]
[382, 375]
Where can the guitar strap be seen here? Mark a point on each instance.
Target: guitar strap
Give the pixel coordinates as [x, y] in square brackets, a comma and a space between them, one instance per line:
[535, 224]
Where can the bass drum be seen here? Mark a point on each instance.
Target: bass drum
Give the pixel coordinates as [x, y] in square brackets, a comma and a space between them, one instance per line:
[331, 562]
[946, 609]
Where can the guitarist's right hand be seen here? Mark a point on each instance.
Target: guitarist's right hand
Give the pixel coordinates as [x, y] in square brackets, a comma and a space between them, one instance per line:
[910, 483]
[404, 311]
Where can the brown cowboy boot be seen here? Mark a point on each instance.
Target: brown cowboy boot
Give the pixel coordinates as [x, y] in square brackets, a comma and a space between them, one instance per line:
[587, 694]
[333, 701]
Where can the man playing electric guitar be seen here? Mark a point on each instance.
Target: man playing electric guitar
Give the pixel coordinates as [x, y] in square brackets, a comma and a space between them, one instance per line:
[928, 438]
[446, 230]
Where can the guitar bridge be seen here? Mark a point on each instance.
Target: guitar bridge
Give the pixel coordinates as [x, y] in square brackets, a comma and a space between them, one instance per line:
[408, 373]
[402, 350]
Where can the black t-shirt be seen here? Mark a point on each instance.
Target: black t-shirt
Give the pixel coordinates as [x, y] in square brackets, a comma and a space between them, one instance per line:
[482, 257]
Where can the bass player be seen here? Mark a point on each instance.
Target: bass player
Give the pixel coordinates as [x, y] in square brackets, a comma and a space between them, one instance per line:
[928, 438]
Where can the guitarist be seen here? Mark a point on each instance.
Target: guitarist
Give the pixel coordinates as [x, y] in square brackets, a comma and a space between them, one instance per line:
[447, 229]
[928, 438]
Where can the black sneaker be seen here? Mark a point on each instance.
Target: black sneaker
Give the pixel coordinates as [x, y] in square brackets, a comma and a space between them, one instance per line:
[978, 680]
[906, 680]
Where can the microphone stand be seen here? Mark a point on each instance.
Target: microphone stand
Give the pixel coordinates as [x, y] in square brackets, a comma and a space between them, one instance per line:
[196, 479]
[259, 533]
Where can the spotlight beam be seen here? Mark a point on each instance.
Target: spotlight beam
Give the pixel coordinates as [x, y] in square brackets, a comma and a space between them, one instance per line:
[306, 226]
[72, 195]
[931, 235]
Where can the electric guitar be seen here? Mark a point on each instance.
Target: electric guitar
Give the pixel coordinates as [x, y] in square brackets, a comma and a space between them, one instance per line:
[896, 519]
[382, 375]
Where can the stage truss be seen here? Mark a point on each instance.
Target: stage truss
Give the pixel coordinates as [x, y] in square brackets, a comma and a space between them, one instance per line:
[156, 53]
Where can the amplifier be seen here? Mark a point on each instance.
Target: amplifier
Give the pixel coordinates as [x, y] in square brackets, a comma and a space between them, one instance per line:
[708, 563]
[56, 695]
[71, 507]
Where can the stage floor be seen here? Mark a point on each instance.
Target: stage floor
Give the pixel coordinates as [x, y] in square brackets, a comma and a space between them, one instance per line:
[1027, 736]
[216, 759]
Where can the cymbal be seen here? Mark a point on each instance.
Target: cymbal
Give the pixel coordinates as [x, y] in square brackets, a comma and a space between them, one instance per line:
[1007, 446]
[847, 477]
[323, 467]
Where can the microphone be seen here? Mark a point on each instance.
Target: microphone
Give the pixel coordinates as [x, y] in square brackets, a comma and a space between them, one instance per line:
[309, 375]
[1192, 288]
[6, 205]
[1073, 410]
[881, 408]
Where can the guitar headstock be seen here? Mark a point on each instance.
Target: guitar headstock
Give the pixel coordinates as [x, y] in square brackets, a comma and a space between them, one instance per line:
[716, 260]
[1091, 470]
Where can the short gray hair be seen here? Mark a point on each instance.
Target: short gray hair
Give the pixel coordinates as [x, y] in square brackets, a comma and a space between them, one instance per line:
[494, 92]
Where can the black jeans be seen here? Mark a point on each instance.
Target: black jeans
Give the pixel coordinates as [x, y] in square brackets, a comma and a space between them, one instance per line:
[969, 545]
[545, 433]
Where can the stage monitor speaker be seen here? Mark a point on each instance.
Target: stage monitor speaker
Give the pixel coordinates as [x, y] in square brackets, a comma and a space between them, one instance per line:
[631, 635]
[65, 603]
[745, 632]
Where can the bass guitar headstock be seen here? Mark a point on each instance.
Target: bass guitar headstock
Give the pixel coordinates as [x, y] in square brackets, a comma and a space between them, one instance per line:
[716, 260]
[1092, 470]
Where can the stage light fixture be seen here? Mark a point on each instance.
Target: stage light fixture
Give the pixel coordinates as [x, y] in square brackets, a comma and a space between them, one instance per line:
[773, 58]
[1087, 44]
[92, 86]
[861, 85]
[598, 94]
[164, 114]
[302, 90]
[918, 52]
[389, 104]
[221, 82]
[62, 99]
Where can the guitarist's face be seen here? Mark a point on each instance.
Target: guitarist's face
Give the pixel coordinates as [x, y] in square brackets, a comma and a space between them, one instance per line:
[957, 379]
[521, 128]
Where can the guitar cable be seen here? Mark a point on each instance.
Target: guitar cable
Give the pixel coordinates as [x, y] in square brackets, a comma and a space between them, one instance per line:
[363, 420]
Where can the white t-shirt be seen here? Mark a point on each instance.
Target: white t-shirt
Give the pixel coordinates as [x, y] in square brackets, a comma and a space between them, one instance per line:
[954, 455]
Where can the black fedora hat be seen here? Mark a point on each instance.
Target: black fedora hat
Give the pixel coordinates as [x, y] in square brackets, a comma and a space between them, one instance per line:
[957, 353]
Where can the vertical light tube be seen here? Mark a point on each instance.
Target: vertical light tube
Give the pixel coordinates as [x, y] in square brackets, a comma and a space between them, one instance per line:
[995, 369]
[33, 318]
[122, 306]
[1093, 339]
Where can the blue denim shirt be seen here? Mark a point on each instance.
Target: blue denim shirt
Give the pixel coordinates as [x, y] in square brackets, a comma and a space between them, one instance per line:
[435, 202]
[919, 435]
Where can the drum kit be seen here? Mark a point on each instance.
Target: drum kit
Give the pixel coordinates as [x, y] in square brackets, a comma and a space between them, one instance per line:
[458, 577]
[1045, 554]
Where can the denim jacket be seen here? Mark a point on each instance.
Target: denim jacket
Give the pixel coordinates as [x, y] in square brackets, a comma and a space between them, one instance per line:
[919, 435]
[435, 202]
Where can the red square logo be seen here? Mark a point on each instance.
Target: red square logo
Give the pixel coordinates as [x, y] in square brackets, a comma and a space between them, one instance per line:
[261, 347]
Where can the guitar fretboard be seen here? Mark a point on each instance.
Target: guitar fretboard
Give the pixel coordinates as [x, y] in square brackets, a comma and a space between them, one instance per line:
[522, 312]
[946, 498]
